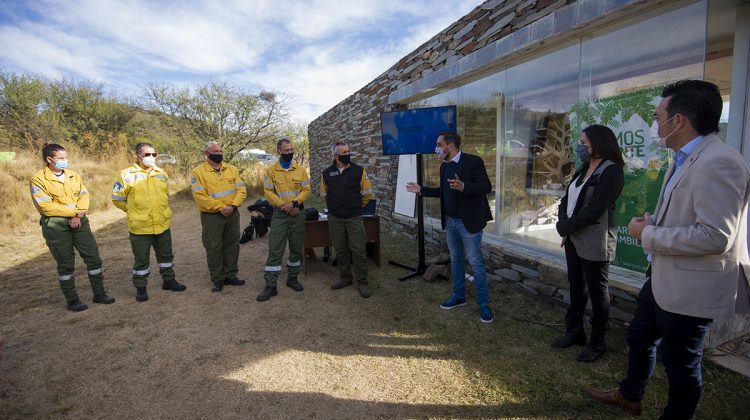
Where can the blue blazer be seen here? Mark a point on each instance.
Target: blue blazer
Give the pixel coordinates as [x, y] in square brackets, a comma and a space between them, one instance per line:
[473, 208]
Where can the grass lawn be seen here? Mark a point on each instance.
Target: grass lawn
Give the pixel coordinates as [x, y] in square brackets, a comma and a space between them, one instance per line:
[315, 354]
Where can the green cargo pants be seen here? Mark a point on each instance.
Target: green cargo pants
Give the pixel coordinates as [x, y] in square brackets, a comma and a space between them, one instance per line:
[284, 227]
[349, 239]
[61, 239]
[221, 239]
[141, 246]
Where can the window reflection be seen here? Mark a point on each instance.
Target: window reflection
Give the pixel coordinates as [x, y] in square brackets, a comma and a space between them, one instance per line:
[525, 119]
[536, 153]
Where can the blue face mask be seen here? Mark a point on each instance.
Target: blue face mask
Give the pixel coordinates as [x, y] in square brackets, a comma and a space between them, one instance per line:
[61, 164]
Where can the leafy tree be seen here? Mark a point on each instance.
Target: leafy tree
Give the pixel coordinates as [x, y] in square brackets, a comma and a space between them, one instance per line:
[296, 132]
[218, 111]
[24, 118]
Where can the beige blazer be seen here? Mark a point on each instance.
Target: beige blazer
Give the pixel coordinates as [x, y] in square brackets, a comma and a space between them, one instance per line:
[698, 236]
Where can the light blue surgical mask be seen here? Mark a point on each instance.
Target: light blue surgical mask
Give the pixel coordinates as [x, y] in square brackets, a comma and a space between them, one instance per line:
[61, 164]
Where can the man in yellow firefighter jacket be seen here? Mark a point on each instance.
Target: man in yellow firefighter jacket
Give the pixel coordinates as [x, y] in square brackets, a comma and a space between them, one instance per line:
[218, 191]
[63, 201]
[286, 186]
[142, 192]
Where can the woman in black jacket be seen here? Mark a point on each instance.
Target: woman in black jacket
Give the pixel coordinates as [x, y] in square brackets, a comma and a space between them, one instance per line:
[587, 224]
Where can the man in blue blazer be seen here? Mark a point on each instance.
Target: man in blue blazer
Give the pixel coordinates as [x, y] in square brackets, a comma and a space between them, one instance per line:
[464, 213]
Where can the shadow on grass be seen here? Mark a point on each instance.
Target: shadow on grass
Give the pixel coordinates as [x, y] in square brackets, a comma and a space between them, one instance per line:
[316, 354]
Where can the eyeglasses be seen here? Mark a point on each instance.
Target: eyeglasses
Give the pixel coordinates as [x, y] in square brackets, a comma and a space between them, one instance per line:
[149, 154]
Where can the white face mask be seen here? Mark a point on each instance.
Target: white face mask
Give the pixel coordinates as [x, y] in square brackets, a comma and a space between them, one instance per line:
[441, 153]
[662, 141]
[149, 161]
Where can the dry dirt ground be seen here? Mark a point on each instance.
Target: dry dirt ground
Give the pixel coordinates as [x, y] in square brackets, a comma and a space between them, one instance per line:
[315, 354]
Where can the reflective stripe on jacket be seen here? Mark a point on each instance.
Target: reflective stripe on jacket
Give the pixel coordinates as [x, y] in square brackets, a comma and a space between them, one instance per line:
[281, 186]
[144, 196]
[62, 199]
[213, 190]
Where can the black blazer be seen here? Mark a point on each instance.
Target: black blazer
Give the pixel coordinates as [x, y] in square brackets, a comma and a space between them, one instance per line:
[593, 221]
[473, 208]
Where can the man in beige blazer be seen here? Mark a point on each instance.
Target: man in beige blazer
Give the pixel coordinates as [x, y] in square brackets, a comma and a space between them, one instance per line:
[696, 243]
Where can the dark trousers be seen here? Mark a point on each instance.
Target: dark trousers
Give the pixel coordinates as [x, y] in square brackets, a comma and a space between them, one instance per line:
[284, 228]
[221, 239]
[141, 246]
[349, 239]
[582, 275]
[681, 338]
[62, 240]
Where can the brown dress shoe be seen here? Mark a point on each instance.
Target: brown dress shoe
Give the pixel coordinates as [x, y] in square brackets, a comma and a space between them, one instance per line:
[613, 397]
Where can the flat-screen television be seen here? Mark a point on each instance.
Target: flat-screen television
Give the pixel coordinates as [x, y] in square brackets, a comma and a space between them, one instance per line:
[415, 130]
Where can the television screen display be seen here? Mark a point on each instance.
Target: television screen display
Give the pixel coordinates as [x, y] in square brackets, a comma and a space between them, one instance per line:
[415, 130]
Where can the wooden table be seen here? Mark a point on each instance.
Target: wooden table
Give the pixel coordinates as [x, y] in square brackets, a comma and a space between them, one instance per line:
[317, 235]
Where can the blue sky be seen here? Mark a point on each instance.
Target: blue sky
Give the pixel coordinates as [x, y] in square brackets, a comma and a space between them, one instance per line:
[318, 52]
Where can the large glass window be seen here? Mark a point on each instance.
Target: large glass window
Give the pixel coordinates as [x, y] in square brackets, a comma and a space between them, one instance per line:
[524, 119]
[622, 75]
[535, 152]
[478, 105]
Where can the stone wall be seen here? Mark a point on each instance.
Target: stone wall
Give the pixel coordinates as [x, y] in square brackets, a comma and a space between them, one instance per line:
[356, 120]
[477, 43]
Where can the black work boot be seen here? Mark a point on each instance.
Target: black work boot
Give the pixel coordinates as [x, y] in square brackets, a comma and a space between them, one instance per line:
[140, 294]
[103, 298]
[294, 284]
[574, 333]
[571, 338]
[266, 294]
[77, 306]
[218, 286]
[364, 291]
[341, 284]
[234, 281]
[592, 352]
[173, 286]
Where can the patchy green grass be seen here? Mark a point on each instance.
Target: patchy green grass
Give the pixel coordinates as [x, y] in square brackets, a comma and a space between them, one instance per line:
[316, 354]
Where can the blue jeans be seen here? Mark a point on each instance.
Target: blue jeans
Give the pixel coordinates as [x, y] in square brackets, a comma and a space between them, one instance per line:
[681, 338]
[464, 245]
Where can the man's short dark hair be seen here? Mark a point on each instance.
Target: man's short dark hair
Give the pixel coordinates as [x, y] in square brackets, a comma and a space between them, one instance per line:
[282, 141]
[49, 149]
[698, 100]
[140, 146]
[451, 137]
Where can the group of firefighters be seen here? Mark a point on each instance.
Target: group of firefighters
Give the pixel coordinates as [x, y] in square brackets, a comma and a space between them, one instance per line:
[142, 192]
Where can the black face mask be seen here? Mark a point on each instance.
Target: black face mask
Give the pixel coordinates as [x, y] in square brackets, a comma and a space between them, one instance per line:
[217, 158]
[345, 159]
[287, 157]
[583, 153]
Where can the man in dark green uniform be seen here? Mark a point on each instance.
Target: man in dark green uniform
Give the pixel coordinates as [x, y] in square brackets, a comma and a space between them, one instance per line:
[346, 189]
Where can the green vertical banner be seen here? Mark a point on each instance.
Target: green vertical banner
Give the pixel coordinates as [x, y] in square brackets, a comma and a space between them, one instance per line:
[630, 116]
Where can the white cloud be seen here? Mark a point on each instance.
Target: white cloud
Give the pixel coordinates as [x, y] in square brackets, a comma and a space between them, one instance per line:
[318, 51]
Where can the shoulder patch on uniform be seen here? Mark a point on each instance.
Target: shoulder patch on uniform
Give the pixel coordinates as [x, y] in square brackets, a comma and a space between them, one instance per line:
[118, 187]
[35, 189]
[193, 180]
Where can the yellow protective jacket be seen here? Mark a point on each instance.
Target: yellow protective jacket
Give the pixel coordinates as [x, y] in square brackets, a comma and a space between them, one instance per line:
[213, 190]
[54, 198]
[281, 186]
[144, 196]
